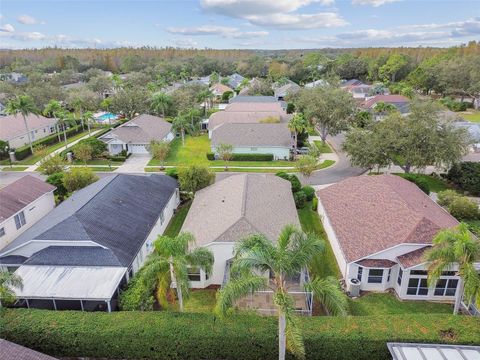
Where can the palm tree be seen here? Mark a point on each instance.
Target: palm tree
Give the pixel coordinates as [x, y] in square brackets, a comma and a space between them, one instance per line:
[205, 97]
[284, 259]
[78, 104]
[8, 282]
[297, 125]
[23, 105]
[161, 102]
[88, 119]
[452, 248]
[174, 255]
[384, 108]
[182, 124]
[53, 107]
[63, 119]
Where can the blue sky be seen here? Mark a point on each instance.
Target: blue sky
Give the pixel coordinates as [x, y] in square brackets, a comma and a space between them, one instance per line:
[244, 24]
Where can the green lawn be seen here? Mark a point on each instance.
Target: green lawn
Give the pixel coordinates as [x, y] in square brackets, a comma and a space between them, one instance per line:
[472, 116]
[323, 264]
[98, 162]
[201, 301]
[102, 168]
[434, 184]
[388, 304]
[324, 147]
[15, 168]
[177, 220]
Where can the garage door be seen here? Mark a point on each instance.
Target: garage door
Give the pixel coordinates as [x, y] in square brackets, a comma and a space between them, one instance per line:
[138, 149]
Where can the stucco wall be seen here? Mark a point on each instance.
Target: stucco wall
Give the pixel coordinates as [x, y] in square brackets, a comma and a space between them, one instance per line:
[221, 252]
[36, 134]
[279, 153]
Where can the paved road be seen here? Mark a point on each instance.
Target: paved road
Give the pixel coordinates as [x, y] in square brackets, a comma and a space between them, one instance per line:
[340, 171]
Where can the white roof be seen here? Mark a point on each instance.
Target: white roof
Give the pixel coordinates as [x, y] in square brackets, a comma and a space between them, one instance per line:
[69, 282]
[406, 351]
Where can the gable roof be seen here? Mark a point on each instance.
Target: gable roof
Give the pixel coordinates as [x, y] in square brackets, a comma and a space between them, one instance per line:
[370, 214]
[74, 256]
[116, 212]
[413, 258]
[235, 80]
[252, 99]
[399, 101]
[286, 89]
[220, 88]
[19, 194]
[12, 126]
[242, 117]
[12, 351]
[255, 106]
[241, 205]
[140, 130]
[261, 134]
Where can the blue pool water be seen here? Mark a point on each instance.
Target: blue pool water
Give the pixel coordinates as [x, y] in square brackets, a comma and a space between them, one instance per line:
[108, 116]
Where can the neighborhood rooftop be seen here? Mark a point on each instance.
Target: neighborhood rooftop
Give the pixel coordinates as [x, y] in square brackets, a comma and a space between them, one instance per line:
[251, 135]
[253, 99]
[12, 351]
[373, 213]
[116, 212]
[12, 126]
[223, 117]
[17, 195]
[240, 205]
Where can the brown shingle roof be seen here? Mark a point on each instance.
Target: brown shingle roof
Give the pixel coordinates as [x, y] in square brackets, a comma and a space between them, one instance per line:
[413, 258]
[373, 213]
[255, 106]
[19, 194]
[241, 205]
[140, 130]
[240, 117]
[220, 88]
[12, 126]
[376, 263]
[11, 351]
[390, 99]
[256, 135]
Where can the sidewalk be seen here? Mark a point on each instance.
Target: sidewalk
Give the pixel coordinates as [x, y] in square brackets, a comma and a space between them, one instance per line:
[58, 151]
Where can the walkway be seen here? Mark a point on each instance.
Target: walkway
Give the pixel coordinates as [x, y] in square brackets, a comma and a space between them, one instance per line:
[135, 164]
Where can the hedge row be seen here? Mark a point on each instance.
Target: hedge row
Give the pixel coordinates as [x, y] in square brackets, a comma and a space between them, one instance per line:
[245, 157]
[168, 335]
[24, 151]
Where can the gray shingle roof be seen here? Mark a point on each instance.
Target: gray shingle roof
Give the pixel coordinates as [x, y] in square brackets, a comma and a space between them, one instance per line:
[257, 99]
[117, 212]
[11, 351]
[241, 205]
[74, 256]
[257, 135]
[140, 130]
[12, 260]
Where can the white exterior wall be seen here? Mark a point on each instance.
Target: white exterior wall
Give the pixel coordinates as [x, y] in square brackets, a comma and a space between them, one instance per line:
[279, 153]
[36, 134]
[157, 230]
[33, 212]
[115, 146]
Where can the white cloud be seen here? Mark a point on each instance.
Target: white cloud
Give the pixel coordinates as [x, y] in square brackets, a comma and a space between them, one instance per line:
[374, 3]
[28, 20]
[224, 31]
[279, 14]
[185, 42]
[7, 28]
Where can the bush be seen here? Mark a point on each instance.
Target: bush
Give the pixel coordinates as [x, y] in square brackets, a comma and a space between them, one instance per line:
[98, 146]
[421, 183]
[309, 192]
[454, 105]
[245, 157]
[138, 295]
[462, 208]
[300, 199]
[172, 335]
[56, 179]
[52, 164]
[445, 198]
[296, 185]
[195, 177]
[315, 204]
[77, 178]
[172, 172]
[466, 176]
[210, 156]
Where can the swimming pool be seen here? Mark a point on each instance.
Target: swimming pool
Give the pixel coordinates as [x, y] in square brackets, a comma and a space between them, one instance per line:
[107, 116]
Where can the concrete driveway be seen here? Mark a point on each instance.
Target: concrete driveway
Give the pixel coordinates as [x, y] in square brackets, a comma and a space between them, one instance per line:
[134, 164]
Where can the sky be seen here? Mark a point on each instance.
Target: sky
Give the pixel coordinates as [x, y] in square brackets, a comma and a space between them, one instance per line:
[238, 24]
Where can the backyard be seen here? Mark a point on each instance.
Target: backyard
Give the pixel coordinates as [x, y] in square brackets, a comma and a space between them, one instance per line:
[473, 116]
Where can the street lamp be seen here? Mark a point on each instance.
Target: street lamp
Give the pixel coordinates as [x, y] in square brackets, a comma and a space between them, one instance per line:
[8, 153]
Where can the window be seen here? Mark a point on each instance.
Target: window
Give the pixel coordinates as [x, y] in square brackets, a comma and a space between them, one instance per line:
[399, 277]
[418, 272]
[375, 276]
[359, 273]
[20, 220]
[253, 149]
[448, 273]
[194, 274]
[446, 287]
[417, 286]
[2, 231]
[389, 274]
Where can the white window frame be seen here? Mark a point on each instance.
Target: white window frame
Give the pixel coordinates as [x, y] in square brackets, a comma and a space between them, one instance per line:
[20, 220]
[378, 277]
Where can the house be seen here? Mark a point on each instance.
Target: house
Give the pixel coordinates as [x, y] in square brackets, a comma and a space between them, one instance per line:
[283, 91]
[316, 83]
[135, 135]
[231, 209]
[80, 254]
[401, 102]
[12, 351]
[260, 138]
[253, 99]
[235, 80]
[473, 130]
[414, 351]
[13, 130]
[351, 82]
[22, 204]
[14, 77]
[360, 92]
[219, 89]
[379, 228]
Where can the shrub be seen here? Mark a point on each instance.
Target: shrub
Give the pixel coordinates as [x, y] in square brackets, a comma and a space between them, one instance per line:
[210, 156]
[172, 172]
[83, 152]
[98, 146]
[296, 185]
[56, 179]
[245, 157]
[78, 177]
[195, 177]
[454, 105]
[138, 295]
[52, 164]
[462, 208]
[466, 176]
[171, 335]
[445, 198]
[315, 204]
[300, 199]
[309, 192]
[421, 183]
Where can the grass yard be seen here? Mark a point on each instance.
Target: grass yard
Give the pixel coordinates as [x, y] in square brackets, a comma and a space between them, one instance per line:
[15, 168]
[471, 116]
[201, 301]
[434, 184]
[102, 168]
[325, 264]
[98, 162]
[388, 304]
[177, 220]
[324, 147]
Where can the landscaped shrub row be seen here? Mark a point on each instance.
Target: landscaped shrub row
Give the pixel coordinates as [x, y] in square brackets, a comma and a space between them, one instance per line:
[169, 335]
[466, 176]
[24, 151]
[245, 157]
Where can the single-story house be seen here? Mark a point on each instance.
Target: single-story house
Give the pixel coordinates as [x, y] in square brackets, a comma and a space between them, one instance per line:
[219, 89]
[401, 102]
[235, 80]
[360, 91]
[135, 135]
[12, 351]
[14, 77]
[13, 130]
[231, 209]
[253, 99]
[262, 138]
[256, 106]
[287, 89]
[241, 117]
[473, 131]
[379, 228]
[22, 204]
[316, 83]
[80, 254]
[351, 82]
